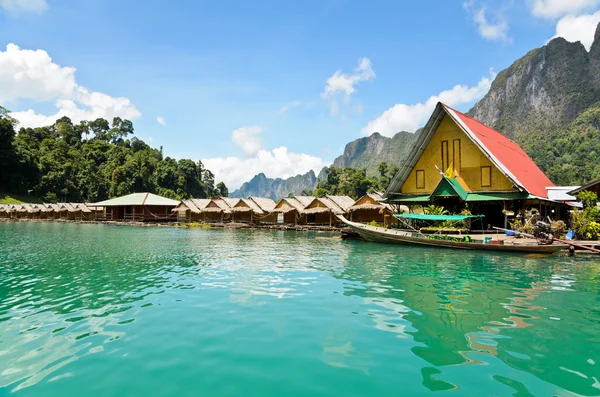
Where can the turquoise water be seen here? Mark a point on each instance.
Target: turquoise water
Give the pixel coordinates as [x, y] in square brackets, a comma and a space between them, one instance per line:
[119, 311]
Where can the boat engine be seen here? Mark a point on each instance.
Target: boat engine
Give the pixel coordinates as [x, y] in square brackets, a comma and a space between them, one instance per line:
[543, 232]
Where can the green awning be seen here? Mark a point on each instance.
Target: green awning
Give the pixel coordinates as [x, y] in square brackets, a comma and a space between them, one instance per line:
[419, 198]
[431, 217]
[449, 187]
[496, 196]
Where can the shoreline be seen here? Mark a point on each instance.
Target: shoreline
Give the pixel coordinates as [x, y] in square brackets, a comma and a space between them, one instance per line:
[182, 225]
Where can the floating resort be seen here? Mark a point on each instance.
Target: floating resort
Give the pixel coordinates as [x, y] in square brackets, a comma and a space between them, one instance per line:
[456, 164]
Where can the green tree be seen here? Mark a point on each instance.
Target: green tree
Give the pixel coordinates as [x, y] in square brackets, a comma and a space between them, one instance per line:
[222, 189]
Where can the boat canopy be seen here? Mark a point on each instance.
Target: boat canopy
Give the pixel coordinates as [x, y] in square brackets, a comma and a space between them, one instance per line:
[432, 217]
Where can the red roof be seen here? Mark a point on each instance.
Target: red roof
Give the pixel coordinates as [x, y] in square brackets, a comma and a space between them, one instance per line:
[506, 154]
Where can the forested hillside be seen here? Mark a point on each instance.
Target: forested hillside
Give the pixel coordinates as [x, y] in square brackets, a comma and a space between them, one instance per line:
[354, 182]
[93, 161]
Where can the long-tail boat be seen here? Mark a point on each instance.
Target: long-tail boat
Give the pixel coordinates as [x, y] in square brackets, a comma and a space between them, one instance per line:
[408, 237]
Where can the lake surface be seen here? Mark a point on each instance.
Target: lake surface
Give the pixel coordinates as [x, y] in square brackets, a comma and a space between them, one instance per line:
[123, 311]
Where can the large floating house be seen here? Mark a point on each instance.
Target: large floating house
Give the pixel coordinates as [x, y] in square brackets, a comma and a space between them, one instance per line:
[139, 207]
[458, 161]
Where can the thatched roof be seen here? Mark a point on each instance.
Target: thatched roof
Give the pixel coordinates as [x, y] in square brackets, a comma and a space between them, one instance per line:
[327, 204]
[265, 204]
[69, 207]
[198, 206]
[343, 202]
[186, 205]
[289, 204]
[230, 201]
[305, 200]
[80, 207]
[221, 204]
[316, 210]
[371, 201]
[201, 203]
[253, 206]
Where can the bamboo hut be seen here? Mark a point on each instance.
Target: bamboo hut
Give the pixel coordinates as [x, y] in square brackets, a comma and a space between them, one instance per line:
[291, 210]
[20, 211]
[217, 210]
[241, 210]
[139, 207]
[72, 212]
[322, 211]
[343, 202]
[49, 211]
[4, 211]
[83, 211]
[58, 211]
[266, 205]
[369, 208]
[97, 213]
[41, 211]
[192, 210]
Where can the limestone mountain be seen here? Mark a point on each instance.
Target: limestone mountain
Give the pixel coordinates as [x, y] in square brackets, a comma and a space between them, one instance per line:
[261, 186]
[548, 87]
[370, 151]
[548, 101]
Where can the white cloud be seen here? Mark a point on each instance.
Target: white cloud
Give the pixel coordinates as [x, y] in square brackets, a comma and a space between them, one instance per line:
[19, 6]
[248, 139]
[578, 28]
[497, 31]
[277, 163]
[31, 74]
[342, 84]
[402, 117]
[289, 106]
[161, 120]
[552, 9]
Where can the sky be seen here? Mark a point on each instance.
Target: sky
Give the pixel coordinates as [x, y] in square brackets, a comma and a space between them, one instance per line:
[266, 86]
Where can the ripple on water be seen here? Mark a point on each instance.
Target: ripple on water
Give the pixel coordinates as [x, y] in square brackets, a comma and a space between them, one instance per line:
[271, 313]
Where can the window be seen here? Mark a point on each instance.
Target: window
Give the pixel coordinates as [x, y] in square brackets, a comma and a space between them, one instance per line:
[456, 154]
[445, 162]
[486, 176]
[420, 174]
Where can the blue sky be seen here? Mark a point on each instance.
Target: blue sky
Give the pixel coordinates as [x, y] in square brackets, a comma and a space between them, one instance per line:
[271, 86]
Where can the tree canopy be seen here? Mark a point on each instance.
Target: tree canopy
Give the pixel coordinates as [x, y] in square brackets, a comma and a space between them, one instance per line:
[92, 161]
[354, 182]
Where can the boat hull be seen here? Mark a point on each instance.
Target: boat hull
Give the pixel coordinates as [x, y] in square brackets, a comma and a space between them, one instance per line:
[383, 235]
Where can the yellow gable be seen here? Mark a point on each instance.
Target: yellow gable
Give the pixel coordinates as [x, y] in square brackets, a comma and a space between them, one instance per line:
[449, 145]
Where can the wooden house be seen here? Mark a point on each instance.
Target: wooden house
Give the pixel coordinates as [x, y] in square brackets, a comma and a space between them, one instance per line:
[192, 210]
[139, 207]
[5, 210]
[369, 208]
[267, 206]
[458, 161]
[248, 210]
[291, 210]
[323, 210]
[593, 186]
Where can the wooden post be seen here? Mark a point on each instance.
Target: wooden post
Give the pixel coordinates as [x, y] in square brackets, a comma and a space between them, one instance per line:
[330, 218]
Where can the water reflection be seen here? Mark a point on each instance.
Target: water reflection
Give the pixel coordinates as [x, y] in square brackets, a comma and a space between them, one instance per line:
[461, 308]
[378, 315]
